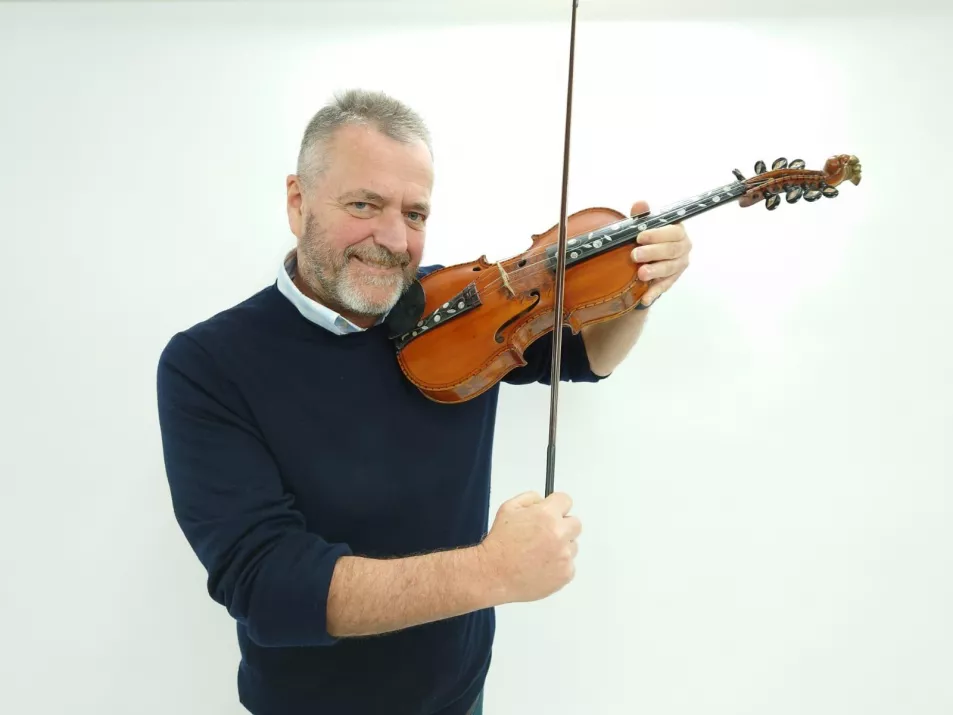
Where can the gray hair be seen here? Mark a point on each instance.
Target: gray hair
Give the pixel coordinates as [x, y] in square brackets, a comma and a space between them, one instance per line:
[357, 106]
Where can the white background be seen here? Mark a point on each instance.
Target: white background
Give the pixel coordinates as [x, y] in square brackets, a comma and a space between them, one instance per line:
[764, 485]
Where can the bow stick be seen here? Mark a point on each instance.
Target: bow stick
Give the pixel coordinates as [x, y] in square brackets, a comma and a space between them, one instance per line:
[560, 275]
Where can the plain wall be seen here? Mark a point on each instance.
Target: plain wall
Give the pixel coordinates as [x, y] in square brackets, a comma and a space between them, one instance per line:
[764, 484]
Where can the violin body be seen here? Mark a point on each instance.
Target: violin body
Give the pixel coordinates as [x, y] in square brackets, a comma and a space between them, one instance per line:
[483, 315]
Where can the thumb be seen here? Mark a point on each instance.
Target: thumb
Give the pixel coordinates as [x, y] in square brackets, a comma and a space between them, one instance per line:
[559, 502]
[525, 499]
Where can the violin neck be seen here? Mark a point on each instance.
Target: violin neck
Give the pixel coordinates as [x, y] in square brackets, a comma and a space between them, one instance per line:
[579, 248]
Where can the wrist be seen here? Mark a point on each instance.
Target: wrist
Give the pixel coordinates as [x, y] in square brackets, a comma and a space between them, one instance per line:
[486, 575]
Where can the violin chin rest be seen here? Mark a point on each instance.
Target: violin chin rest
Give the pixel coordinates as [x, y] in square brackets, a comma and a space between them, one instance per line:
[407, 312]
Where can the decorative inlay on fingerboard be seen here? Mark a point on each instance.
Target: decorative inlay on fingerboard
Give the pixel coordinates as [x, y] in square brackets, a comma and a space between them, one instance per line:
[579, 248]
[466, 300]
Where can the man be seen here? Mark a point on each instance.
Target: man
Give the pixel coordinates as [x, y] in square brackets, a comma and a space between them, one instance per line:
[340, 514]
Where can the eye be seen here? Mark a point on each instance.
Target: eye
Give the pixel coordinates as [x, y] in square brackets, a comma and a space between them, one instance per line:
[419, 216]
[363, 209]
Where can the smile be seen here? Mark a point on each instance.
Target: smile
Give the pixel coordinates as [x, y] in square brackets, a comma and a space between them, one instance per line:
[376, 266]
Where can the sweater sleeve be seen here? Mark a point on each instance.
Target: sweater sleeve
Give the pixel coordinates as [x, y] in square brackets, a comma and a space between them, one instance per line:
[573, 367]
[270, 573]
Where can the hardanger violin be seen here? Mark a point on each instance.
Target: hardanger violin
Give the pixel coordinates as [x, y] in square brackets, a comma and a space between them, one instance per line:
[460, 329]
[471, 322]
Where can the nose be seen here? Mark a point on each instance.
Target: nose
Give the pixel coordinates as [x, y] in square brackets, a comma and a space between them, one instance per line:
[391, 232]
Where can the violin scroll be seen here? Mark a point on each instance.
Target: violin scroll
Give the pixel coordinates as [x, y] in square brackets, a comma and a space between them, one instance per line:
[842, 168]
[796, 182]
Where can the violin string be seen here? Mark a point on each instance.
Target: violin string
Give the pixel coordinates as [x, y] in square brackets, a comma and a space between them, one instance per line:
[516, 273]
[619, 236]
[530, 270]
[521, 272]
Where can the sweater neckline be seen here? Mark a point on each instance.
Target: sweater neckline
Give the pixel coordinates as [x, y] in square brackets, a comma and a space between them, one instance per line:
[312, 331]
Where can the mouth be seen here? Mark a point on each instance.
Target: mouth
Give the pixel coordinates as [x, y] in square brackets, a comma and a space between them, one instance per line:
[376, 267]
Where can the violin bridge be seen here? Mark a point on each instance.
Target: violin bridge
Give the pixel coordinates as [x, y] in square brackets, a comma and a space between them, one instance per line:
[506, 279]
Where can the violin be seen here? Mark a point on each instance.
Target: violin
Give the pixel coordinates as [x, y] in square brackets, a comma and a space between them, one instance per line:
[475, 319]
[460, 329]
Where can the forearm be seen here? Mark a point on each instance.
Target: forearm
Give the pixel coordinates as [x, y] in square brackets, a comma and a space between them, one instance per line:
[373, 596]
[608, 343]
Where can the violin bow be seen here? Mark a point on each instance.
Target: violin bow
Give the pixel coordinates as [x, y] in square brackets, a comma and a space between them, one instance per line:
[560, 274]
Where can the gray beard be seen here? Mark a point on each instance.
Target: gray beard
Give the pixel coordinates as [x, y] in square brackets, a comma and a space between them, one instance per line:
[324, 272]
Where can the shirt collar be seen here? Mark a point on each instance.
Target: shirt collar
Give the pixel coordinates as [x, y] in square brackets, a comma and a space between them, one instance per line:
[312, 310]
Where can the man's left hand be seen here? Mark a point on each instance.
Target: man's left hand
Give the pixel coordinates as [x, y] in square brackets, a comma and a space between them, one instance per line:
[663, 252]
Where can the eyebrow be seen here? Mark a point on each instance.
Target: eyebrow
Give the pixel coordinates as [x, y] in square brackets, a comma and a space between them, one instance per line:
[369, 195]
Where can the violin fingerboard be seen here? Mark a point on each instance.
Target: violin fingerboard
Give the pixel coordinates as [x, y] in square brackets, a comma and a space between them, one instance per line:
[579, 248]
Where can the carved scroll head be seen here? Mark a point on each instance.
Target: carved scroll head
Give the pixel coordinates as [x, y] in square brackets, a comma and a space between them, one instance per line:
[843, 167]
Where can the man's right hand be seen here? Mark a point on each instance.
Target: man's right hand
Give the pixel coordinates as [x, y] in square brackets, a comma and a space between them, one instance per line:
[528, 555]
[531, 548]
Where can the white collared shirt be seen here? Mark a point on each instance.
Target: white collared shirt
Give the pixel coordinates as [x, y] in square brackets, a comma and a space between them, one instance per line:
[312, 310]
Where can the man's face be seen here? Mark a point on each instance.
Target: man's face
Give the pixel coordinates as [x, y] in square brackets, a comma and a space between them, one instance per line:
[361, 229]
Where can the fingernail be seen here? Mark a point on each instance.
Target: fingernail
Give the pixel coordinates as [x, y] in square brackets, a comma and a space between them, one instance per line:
[636, 255]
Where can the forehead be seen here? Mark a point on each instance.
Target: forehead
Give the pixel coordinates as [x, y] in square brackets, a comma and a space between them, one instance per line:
[362, 157]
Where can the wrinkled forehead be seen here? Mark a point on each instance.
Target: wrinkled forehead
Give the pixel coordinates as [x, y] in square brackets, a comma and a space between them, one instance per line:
[372, 167]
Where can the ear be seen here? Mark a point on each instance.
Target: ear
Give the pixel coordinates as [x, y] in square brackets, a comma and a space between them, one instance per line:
[295, 204]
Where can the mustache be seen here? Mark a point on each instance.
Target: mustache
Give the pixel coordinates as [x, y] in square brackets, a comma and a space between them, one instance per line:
[378, 255]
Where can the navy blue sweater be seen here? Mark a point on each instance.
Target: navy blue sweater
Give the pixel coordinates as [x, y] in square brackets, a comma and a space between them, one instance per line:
[286, 447]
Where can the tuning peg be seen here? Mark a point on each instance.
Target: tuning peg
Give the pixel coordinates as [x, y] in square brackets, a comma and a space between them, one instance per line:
[738, 175]
[771, 203]
[794, 195]
[797, 164]
[812, 195]
[829, 191]
[779, 164]
[759, 167]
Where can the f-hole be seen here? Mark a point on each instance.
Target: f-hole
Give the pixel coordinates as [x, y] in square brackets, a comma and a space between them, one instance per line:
[499, 332]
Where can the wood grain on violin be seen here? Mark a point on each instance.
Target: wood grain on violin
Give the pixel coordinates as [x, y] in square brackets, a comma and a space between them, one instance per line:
[471, 322]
